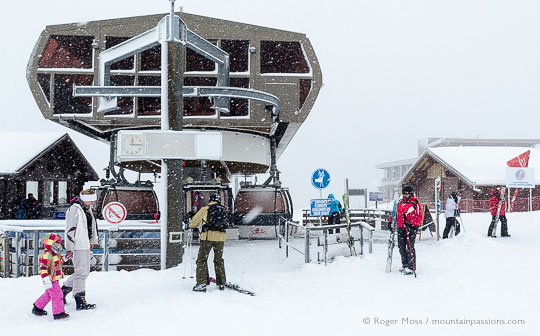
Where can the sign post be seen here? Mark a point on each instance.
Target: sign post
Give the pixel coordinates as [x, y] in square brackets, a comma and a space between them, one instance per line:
[521, 177]
[437, 203]
[114, 212]
[375, 196]
[320, 179]
[320, 207]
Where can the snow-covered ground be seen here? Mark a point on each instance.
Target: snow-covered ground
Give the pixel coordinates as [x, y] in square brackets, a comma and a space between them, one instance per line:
[467, 279]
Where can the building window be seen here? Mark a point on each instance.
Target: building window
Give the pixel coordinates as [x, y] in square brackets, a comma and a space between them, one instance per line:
[125, 104]
[67, 51]
[62, 192]
[239, 107]
[64, 102]
[32, 188]
[44, 81]
[238, 54]
[283, 57]
[304, 88]
[149, 106]
[199, 63]
[125, 64]
[151, 59]
[199, 106]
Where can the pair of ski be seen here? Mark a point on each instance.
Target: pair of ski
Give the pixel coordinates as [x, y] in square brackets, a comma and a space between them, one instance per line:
[392, 238]
[350, 238]
[497, 215]
[233, 287]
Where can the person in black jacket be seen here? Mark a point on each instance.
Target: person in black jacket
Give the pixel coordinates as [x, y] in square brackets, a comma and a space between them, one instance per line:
[33, 207]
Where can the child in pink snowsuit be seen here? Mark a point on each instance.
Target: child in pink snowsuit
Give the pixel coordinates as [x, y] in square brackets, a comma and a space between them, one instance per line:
[50, 269]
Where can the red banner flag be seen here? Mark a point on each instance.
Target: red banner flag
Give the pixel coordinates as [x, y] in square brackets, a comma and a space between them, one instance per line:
[520, 160]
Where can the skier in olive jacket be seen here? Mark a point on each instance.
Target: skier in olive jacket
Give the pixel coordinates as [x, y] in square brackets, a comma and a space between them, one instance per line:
[408, 218]
[213, 236]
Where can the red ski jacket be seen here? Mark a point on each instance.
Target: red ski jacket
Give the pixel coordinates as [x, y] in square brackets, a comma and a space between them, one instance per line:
[409, 211]
[494, 203]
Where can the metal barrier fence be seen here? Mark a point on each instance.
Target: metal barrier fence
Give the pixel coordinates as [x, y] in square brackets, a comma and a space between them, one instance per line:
[370, 216]
[285, 229]
[123, 247]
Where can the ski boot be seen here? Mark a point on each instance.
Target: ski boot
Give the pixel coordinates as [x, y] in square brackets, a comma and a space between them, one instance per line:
[407, 271]
[221, 287]
[38, 312]
[80, 300]
[401, 269]
[200, 288]
[61, 316]
[66, 290]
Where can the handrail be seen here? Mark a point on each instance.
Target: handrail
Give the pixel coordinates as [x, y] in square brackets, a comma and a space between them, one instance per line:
[286, 223]
[43, 226]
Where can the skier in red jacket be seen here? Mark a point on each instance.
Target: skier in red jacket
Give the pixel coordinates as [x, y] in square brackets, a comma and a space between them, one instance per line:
[498, 195]
[408, 219]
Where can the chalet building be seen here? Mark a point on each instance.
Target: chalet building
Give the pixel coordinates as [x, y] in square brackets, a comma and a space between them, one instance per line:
[474, 171]
[395, 170]
[48, 165]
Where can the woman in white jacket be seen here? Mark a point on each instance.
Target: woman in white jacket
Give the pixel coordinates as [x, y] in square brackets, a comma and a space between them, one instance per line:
[450, 212]
[80, 237]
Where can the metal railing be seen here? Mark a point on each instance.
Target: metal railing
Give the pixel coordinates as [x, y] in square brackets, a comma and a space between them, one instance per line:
[284, 234]
[371, 216]
[21, 244]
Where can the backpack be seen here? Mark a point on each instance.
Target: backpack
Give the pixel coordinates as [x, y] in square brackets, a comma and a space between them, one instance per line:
[217, 218]
[341, 210]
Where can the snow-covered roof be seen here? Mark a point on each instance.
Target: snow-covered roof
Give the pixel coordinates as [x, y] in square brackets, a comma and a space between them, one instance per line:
[19, 148]
[483, 165]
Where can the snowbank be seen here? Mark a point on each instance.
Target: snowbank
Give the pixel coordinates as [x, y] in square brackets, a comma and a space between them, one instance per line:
[467, 279]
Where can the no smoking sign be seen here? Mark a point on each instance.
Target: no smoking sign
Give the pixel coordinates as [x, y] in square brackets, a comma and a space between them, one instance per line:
[114, 212]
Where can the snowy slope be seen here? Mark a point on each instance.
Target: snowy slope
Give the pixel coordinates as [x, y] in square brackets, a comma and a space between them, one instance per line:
[468, 277]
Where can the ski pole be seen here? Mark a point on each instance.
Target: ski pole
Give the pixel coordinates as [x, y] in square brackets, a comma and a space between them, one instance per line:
[183, 277]
[186, 246]
[191, 254]
[410, 252]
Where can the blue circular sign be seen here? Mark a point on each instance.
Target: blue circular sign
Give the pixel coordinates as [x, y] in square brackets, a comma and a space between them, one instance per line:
[320, 178]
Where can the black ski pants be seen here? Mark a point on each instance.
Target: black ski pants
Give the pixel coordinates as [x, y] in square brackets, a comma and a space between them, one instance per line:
[451, 222]
[408, 253]
[504, 226]
[335, 218]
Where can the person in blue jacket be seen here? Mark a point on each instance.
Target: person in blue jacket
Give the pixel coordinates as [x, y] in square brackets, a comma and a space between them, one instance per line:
[336, 210]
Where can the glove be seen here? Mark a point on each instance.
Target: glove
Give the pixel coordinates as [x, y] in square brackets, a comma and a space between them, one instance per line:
[457, 213]
[93, 259]
[47, 282]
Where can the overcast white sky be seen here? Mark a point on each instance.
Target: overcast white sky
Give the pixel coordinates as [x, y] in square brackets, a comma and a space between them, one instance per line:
[394, 71]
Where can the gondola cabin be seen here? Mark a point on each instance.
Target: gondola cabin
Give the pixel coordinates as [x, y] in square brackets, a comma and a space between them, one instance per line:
[141, 202]
[258, 209]
[198, 195]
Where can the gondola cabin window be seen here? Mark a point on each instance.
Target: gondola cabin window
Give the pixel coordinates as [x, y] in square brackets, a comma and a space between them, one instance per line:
[267, 201]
